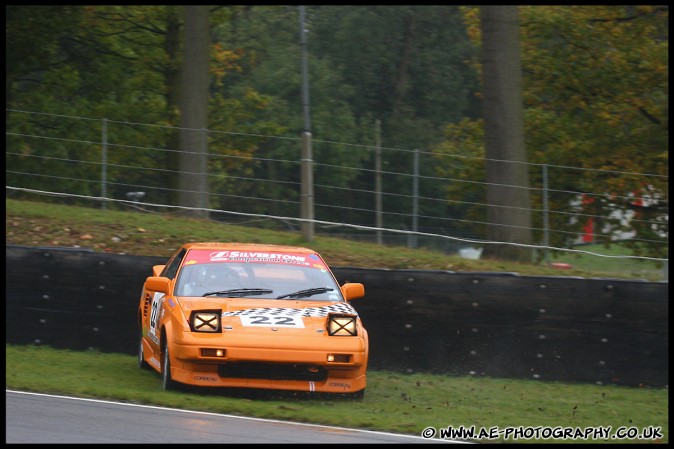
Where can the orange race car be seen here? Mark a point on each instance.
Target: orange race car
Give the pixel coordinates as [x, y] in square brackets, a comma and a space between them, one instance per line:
[252, 316]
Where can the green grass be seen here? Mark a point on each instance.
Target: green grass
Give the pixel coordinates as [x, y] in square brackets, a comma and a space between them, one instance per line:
[394, 402]
[642, 269]
[153, 234]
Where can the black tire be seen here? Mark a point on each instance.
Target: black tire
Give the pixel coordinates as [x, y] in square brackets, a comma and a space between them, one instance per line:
[167, 382]
[358, 395]
[142, 364]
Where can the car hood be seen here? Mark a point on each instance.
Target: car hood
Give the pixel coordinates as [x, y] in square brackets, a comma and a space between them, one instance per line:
[258, 317]
[242, 306]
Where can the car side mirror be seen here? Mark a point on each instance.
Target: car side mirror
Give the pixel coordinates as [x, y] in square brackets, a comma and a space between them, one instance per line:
[352, 290]
[157, 284]
[157, 269]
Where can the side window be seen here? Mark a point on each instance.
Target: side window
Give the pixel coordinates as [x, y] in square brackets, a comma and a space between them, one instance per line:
[171, 268]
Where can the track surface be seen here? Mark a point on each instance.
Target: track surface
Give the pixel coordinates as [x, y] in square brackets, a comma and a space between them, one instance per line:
[40, 418]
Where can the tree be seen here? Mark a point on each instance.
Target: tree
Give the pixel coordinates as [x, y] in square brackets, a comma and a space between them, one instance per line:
[34, 38]
[194, 111]
[404, 65]
[509, 206]
[266, 38]
[69, 62]
[597, 99]
[595, 89]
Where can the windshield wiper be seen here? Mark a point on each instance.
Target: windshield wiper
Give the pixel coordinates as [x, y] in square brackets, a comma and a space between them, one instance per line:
[307, 292]
[240, 292]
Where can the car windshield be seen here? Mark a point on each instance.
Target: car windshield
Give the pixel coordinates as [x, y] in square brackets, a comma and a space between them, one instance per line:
[258, 280]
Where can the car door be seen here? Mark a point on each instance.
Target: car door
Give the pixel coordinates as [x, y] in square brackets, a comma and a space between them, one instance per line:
[155, 302]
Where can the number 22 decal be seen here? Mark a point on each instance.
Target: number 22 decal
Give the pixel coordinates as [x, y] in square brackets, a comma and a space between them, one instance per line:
[154, 314]
[272, 320]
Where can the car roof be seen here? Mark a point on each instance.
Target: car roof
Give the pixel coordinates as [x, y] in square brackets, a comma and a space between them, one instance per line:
[247, 247]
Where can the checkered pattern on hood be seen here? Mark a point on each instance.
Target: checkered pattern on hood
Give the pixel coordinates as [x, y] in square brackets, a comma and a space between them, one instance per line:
[341, 307]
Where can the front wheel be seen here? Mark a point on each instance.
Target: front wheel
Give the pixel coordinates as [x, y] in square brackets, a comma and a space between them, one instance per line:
[142, 364]
[167, 382]
[358, 395]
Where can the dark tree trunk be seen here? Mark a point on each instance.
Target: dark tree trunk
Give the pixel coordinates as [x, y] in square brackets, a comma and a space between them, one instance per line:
[194, 112]
[509, 210]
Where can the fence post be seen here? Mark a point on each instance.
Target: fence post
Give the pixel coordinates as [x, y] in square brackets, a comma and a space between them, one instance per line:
[415, 199]
[546, 223]
[204, 190]
[307, 180]
[377, 169]
[104, 164]
[307, 189]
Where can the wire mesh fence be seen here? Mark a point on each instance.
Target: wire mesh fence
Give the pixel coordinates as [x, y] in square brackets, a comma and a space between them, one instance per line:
[407, 197]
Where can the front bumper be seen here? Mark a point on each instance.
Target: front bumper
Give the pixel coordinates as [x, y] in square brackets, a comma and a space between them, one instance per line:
[281, 362]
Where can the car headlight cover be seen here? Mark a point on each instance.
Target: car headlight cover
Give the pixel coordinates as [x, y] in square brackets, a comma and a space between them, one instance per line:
[342, 325]
[205, 321]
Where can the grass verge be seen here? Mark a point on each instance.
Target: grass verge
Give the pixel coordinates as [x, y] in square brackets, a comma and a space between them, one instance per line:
[147, 233]
[394, 402]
